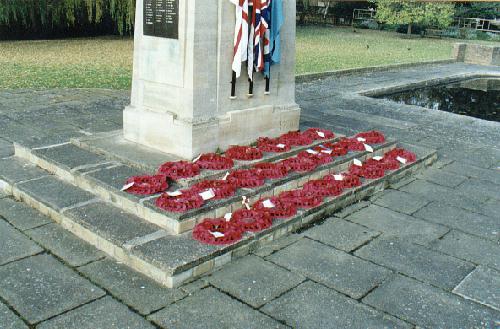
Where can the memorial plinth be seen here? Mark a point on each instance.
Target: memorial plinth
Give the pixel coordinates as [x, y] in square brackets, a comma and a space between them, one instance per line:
[180, 102]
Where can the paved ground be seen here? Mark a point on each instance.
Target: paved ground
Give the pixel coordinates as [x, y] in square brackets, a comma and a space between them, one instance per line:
[424, 254]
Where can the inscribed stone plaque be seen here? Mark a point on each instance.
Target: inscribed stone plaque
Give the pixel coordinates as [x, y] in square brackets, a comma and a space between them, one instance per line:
[161, 18]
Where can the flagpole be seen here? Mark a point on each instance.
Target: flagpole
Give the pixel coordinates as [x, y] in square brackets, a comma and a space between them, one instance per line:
[250, 88]
[250, 48]
[233, 86]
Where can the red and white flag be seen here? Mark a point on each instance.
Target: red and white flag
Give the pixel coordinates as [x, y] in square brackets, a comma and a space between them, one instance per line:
[240, 35]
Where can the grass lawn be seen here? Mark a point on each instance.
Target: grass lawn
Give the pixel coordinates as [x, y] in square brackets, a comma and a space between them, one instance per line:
[107, 62]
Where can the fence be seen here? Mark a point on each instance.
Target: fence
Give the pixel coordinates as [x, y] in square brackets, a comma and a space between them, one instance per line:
[480, 24]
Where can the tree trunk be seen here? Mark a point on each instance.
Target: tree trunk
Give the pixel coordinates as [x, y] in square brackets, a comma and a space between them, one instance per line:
[409, 29]
[34, 9]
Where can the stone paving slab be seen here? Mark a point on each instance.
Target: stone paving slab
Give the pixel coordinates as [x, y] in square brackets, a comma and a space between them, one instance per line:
[9, 320]
[341, 234]
[93, 123]
[430, 307]
[191, 287]
[14, 170]
[481, 286]
[175, 253]
[473, 171]
[469, 248]
[21, 216]
[401, 201]
[394, 224]
[417, 262]
[312, 305]
[484, 157]
[6, 151]
[69, 156]
[112, 223]
[491, 208]
[210, 309]
[55, 193]
[344, 212]
[113, 143]
[480, 187]
[105, 313]
[114, 176]
[460, 219]
[132, 288]
[277, 244]
[6, 148]
[14, 245]
[442, 177]
[65, 245]
[40, 287]
[40, 139]
[254, 280]
[336, 269]
[434, 192]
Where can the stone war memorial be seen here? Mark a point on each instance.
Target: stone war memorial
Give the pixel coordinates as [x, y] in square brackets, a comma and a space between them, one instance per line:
[181, 92]
[210, 164]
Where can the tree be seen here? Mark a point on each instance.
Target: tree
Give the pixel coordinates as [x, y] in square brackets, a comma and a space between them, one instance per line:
[489, 10]
[43, 17]
[413, 12]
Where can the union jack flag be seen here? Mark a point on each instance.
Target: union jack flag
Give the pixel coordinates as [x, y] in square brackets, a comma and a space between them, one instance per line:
[240, 35]
[262, 20]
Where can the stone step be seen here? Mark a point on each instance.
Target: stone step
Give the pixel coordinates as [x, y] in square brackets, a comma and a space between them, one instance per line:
[96, 174]
[167, 258]
[114, 147]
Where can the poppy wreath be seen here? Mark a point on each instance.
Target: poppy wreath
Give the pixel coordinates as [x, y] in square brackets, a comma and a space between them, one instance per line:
[244, 153]
[271, 145]
[301, 199]
[356, 170]
[179, 169]
[336, 149]
[369, 171]
[270, 170]
[186, 201]
[222, 188]
[299, 164]
[147, 185]
[295, 138]
[350, 180]
[245, 178]
[252, 220]
[324, 187]
[280, 210]
[386, 163]
[372, 137]
[228, 232]
[319, 158]
[352, 144]
[399, 152]
[214, 161]
[318, 133]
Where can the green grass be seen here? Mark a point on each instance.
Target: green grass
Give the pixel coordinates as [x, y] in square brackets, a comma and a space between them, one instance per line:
[321, 49]
[72, 63]
[107, 62]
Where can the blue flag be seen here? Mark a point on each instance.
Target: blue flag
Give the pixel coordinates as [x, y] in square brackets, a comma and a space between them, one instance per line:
[275, 18]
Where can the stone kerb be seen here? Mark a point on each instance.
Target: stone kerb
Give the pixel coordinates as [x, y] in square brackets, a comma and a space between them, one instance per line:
[477, 54]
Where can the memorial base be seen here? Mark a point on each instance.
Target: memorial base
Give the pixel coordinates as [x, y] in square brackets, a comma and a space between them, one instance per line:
[188, 139]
